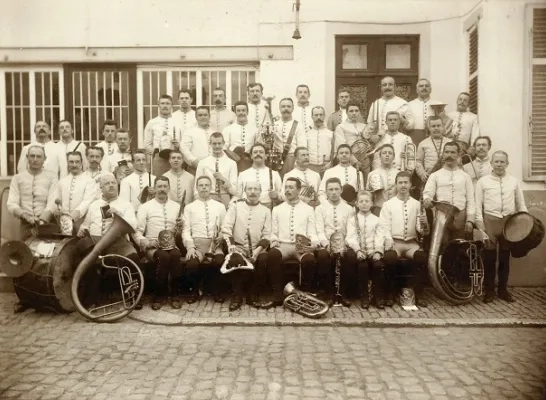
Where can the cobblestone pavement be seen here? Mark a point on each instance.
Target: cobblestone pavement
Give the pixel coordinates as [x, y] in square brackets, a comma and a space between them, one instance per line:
[47, 356]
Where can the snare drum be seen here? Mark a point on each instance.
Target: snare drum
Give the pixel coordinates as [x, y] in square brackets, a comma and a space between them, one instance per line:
[523, 232]
[47, 285]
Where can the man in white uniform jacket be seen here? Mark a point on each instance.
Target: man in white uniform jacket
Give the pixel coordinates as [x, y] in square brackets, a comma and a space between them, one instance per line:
[68, 143]
[195, 142]
[131, 186]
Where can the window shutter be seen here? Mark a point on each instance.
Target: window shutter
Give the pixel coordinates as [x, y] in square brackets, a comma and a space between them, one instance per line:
[473, 68]
[539, 33]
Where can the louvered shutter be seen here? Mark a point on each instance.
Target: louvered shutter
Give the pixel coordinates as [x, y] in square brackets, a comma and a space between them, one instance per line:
[473, 68]
[538, 97]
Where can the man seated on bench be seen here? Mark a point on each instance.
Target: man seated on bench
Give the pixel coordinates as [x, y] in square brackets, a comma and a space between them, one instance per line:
[157, 226]
[201, 235]
[289, 219]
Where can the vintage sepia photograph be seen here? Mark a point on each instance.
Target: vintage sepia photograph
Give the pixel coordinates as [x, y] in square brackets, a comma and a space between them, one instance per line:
[272, 199]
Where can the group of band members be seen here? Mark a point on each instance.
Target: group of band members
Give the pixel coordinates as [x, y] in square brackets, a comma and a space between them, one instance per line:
[210, 207]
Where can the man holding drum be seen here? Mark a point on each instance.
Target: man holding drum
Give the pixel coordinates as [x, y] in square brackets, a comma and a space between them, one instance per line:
[498, 196]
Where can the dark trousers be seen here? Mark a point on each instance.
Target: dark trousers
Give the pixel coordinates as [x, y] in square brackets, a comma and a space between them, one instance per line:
[167, 262]
[418, 265]
[196, 273]
[274, 267]
[489, 258]
[367, 269]
[324, 276]
[251, 282]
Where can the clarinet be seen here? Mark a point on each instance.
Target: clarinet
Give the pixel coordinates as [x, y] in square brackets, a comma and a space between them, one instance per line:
[249, 243]
[218, 182]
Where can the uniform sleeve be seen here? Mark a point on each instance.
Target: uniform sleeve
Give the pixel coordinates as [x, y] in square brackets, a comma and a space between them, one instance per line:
[23, 161]
[148, 138]
[520, 199]
[275, 224]
[312, 227]
[300, 139]
[199, 172]
[62, 164]
[470, 200]
[277, 183]
[240, 188]
[378, 240]
[125, 189]
[141, 217]
[319, 224]
[330, 123]
[14, 198]
[83, 151]
[186, 230]
[53, 192]
[430, 187]
[229, 223]
[420, 161]
[87, 220]
[405, 111]
[322, 187]
[266, 230]
[222, 213]
[385, 225]
[129, 215]
[89, 192]
[479, 200]
[475, 131]
[227, 137]
[233, 173]
[352, 236]
[187, 144]
[372, 112]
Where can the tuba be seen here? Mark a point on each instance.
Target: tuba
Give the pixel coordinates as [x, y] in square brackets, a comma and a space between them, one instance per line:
[303, 303]
[439, 110]
[457, 274]
[130, 277]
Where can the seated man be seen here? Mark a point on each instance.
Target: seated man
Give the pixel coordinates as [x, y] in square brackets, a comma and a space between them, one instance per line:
[247, 229]
[400, 222]
[157, 225]
[364, 240]
[201, 237]
[310, 180]
[332, 216]
[289, 219]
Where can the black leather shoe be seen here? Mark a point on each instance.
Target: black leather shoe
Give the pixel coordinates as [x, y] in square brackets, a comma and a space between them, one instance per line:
[364, 303]
[156, 304]
[380, 304]
[345, 302]
[176, 303]
[488, 298]
[421, 303]
[389, 302]
[235, 303]
[219, 299]
[138, 306]
[266, 305]
[192, 298]
[506, 297]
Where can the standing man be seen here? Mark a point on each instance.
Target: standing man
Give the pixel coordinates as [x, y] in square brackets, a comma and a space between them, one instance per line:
[180, 180]
[466, 127]
[386, 103]
[221, 170]
[345, 172]
[67, 143]
[332, 216]
[157, 225]
[420, 110]
[94, 156]
[55, 160]
[429, 151]
[310, 180]
[269, 180]
[195, 142]
[132, 186]
[382, 180]
[303, 108]
[321, 142]
[109, 145]
[247, 231]
[240, 136]
[291, 134]
[33, 191]
[498, 196]
[452, 185]
[220, 116]
[162, 133]
[123, 152]
[340, 116]
[185, 117]
[354, 128]
[481, 165]
[257, 111]
[289, 219]
[202, 233]
[396, 139]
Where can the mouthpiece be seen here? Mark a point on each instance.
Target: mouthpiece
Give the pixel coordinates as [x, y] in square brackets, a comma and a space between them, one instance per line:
[58, 202]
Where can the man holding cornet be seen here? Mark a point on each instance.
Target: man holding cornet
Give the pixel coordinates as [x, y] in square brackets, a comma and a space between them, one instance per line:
[401, 143]
[158, 222]
[247, 230]
[131, 188]
[201, 236]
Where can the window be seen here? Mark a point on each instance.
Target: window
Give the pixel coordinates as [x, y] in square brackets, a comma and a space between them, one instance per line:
[201, 82]
[536, 109]
[473, 67]
[28, 95]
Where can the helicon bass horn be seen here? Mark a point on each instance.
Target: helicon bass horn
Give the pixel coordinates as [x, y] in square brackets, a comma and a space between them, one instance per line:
[457, 274]
[130, 277]
[303, 303]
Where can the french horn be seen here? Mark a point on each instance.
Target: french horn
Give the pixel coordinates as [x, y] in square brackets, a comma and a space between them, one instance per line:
[303, 303]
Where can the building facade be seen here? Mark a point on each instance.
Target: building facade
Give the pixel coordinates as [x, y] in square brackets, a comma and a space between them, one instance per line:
[87, 61]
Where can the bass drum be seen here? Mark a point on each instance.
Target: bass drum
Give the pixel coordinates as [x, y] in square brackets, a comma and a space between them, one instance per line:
[48, 283]
[523, 232]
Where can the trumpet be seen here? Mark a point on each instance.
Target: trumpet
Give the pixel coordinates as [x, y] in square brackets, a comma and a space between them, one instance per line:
[409, 156]
[214, 242]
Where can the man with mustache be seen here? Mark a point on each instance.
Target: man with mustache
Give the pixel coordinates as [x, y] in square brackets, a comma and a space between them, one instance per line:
[181, 181]
[158, 219]
[257, 110]
[288, 219]
[185, 116]
[321, 142]
[220, 116]
[247, 231]
[396, 139]
[240, 136]
[429, 151]
[132, 185]
[195, 142]
[382, 181]
[310, 180]
[94, 157]
[221, 170]
[452, 185]
[332, 216]
[303, 108]
[109, 145]
[421, 110]
[340, 116]
[33, 191]
[291, 134]
[498, 196]
[67, 143]
[76, 191]
[386, 103]
[123, 152]
[201, 232]
[55, 161]
[481, 165]
[163, 132]
[465, 128]
[270, 181]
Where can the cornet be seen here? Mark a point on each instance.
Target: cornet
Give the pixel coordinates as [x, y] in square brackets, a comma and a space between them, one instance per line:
[215, 240]
[409, 156]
